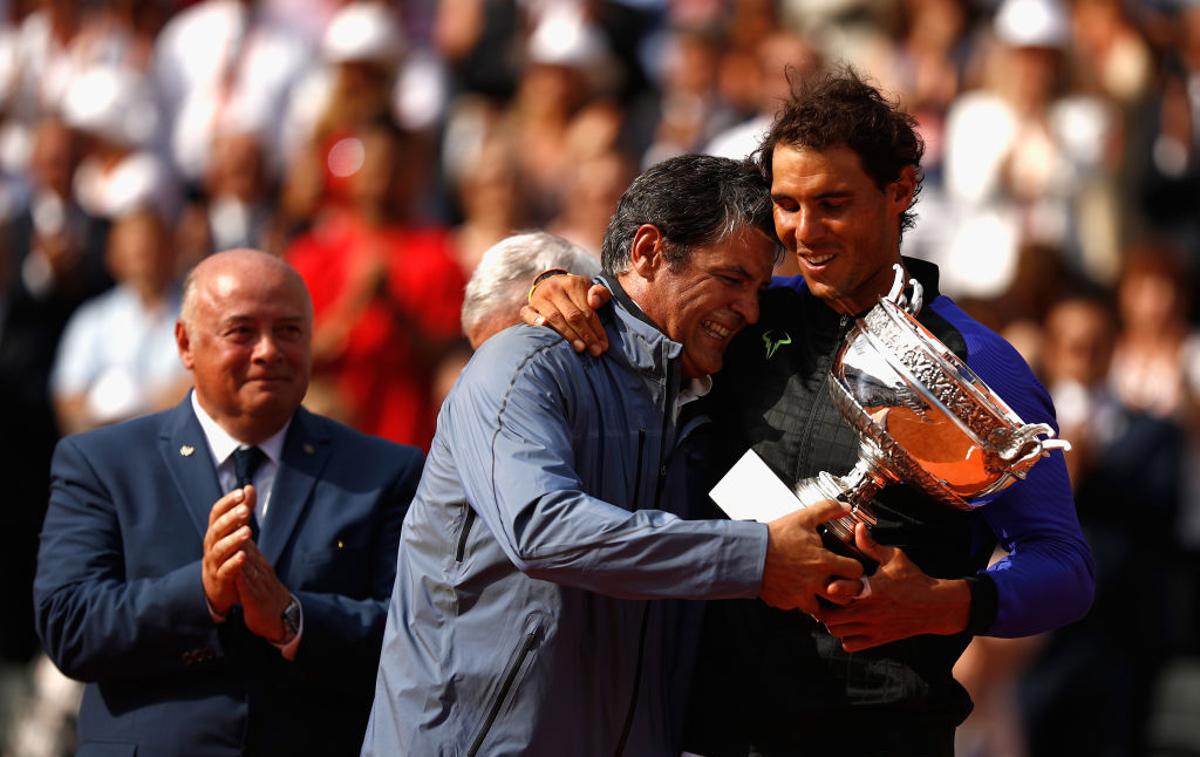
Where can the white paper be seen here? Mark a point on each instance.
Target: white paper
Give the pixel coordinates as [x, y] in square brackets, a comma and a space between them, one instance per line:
[752, 491]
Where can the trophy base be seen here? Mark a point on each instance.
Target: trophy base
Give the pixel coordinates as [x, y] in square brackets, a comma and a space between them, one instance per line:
[838, 534]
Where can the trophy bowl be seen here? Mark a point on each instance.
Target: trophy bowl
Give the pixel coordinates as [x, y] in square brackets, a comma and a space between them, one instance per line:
[923, 417]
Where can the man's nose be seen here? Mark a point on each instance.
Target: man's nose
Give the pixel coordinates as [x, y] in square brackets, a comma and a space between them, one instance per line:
[747, 307]
[266, 348]
[806, 226]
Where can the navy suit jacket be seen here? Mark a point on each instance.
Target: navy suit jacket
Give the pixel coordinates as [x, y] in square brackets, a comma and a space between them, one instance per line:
[120, 603]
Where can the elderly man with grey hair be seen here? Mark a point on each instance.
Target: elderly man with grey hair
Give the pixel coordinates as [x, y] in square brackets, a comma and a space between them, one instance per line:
[498, 289]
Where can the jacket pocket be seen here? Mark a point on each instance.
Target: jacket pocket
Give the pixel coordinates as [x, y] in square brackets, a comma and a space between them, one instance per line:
[460, 550]
[508, 681]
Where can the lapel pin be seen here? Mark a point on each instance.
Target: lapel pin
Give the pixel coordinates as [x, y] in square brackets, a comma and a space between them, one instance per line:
[309, 449]
[187, 450]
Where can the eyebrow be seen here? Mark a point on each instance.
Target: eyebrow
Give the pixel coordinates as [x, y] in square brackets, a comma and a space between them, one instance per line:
[829, 194]
[237, 318]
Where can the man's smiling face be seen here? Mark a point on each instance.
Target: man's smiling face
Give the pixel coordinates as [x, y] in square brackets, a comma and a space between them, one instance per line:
[843, 228]
[703, 301]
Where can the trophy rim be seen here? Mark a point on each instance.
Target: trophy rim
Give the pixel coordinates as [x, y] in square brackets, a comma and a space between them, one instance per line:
[952, 364]
[974, 408]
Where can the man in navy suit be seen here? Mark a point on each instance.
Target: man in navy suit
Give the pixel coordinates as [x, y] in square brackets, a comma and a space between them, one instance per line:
[218, 573]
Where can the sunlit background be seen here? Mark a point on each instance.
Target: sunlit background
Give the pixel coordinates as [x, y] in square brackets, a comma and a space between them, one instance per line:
[382, 148]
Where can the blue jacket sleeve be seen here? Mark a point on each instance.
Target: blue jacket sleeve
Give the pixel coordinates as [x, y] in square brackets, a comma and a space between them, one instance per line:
[93, 622]
[1046, 580]
[515, 453]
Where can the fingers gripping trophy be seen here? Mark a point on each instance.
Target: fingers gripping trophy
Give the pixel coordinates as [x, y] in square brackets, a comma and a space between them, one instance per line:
[923, 418]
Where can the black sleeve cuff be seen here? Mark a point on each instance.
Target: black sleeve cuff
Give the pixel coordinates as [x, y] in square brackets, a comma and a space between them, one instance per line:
[985, 602]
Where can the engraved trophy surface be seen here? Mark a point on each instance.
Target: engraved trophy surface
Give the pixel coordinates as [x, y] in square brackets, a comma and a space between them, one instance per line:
[923, 418]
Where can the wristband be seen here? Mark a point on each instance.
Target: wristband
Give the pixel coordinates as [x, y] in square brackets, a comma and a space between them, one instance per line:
[542, 277]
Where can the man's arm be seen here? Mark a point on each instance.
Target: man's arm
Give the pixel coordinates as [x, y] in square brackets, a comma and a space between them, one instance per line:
[93, 622]
[568, 304]
[514, 453]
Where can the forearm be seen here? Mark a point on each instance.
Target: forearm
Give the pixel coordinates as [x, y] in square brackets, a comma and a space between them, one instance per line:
[1041, 587]
[1046, 580]
[103, 628]
[646, 554]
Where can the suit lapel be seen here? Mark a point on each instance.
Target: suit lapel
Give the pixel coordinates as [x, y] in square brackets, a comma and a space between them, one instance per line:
[306, 449]
[185, 452]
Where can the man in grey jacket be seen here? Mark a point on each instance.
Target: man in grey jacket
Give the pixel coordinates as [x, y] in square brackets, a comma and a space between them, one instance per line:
[533, 610]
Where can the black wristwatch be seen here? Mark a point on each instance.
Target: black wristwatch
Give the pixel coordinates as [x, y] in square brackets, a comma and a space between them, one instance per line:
[291, 622]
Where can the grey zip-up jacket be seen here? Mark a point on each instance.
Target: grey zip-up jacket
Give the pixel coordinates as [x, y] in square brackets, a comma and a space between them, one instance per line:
[528, 615]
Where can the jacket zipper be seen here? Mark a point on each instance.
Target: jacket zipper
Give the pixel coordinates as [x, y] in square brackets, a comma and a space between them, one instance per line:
[823, 390]
[658, 487]
[637, 478]
[510, 676]
[461, 549]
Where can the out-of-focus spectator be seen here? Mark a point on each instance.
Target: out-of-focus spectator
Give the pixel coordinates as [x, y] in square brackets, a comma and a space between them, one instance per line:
[498, 289]
[117, 356]
[564, 56]
[1156, 366]
[224, 64]
[386, 293]
[1109, 56]
[369, 73]
[49, 264]
[1169, 155]
[781, 58]
[692, 111]
[1022, 156]
[489, 197]
[43, 56]
[1090, 690]
[923, 67]
[114, 111]
[235, 209]
[595, 186]
[480, 43]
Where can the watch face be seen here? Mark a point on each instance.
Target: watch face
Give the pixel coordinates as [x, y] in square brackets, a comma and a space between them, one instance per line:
[291, 616]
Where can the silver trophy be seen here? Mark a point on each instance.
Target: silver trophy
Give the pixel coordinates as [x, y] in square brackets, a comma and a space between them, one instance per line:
[923, 417]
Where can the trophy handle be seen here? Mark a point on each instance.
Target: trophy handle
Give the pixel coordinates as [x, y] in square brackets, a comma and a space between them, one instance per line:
[896, 295]
[1018, 449]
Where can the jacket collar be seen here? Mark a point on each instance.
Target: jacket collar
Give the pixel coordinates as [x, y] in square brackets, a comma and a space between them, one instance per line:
[639, 340]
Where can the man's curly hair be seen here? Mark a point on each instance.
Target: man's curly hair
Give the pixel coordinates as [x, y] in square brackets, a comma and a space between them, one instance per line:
[841, 109]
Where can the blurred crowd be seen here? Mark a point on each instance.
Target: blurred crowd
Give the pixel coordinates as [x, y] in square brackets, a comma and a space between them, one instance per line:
[382, 147]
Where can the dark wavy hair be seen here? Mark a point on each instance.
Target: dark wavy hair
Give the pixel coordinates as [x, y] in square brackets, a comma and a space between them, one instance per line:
[693, 200]
[838, 109]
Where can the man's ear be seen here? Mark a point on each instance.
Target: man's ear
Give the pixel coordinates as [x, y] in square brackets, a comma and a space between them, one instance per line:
[901, 191]
[645, 254]
[184, 343]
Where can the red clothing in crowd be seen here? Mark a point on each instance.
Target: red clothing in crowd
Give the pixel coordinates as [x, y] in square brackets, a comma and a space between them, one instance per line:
[401, 292]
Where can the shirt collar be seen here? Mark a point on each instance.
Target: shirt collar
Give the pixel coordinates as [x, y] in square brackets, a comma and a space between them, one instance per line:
[694, 389]
[222, 445]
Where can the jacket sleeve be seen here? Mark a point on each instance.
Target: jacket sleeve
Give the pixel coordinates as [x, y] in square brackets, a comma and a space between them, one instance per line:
[343, 633]
[514, 453]
[93, 622]
[1047, 578]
